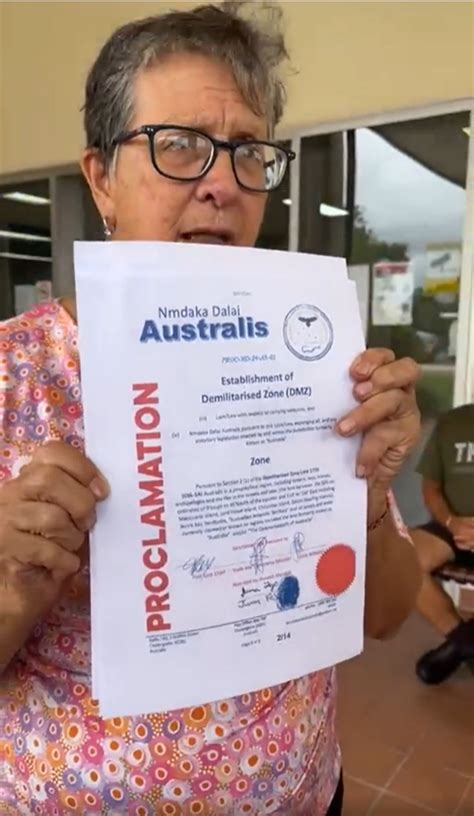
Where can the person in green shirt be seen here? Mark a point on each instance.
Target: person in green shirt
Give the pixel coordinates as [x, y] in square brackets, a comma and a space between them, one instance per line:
[447, 468]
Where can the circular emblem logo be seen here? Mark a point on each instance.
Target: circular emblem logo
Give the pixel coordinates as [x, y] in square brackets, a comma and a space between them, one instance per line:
[308, 332]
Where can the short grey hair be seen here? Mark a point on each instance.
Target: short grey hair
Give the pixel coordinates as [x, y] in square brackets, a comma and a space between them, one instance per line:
[246, 36]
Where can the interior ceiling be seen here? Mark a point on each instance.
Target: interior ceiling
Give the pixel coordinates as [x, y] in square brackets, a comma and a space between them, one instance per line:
[439, 143]
[14, 214]
[25, 216]
[39, 188]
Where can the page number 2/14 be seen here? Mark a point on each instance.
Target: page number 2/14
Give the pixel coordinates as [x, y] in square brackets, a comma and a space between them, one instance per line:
[283, 636]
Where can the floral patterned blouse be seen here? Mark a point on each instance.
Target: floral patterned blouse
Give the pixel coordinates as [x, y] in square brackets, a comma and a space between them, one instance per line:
[270, 752]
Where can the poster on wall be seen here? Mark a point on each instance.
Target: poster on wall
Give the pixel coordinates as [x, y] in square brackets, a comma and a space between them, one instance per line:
[360, 274]
[444, 268]
[392, 293]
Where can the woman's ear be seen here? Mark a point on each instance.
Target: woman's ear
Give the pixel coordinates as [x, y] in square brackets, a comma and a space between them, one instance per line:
[98, 177]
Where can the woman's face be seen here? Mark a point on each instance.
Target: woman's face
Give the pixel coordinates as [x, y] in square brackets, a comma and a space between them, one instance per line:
[140, 204]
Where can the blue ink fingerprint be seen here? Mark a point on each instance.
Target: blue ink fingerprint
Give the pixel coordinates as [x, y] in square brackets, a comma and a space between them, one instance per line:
[288, 592]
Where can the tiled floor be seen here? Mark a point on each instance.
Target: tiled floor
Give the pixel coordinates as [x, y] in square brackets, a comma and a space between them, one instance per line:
[408, 749]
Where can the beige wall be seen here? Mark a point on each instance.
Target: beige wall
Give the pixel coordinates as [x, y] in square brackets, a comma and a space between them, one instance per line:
[352, 59]
[361, 58]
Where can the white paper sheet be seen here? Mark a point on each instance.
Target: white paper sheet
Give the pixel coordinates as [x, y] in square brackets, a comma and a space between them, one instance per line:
[220, 450]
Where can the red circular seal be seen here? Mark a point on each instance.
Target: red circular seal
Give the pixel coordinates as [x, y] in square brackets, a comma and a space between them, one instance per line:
[335, 570]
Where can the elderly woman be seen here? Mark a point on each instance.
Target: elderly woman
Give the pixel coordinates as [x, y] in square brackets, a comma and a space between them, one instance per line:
[176, 108]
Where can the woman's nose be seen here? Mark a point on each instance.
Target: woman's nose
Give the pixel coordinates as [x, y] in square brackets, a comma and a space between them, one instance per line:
[220, 184]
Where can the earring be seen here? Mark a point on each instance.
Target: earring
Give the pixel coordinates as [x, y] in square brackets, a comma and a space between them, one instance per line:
[108, 231]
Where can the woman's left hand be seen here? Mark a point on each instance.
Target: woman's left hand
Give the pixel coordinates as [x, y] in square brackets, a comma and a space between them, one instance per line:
[387, 416]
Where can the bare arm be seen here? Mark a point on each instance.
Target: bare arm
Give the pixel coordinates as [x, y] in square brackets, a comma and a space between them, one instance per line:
[435, 501]
[460, 527]
[393, 576]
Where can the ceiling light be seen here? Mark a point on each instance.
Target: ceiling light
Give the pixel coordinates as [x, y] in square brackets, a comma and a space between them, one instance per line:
[287, 201]
[23, 236]
[17, 256]
[26, 198]
[467, 131]
[331, 212]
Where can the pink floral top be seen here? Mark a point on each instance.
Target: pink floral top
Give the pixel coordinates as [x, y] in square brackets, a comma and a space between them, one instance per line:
[270, 752]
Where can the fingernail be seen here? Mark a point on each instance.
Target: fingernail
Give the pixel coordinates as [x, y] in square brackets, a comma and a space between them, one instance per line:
[364, 369]
[364, 389]
[99, 487]
[347, 426]
[360, 471]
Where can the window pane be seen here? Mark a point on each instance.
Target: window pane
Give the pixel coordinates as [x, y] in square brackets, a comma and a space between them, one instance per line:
[275, 230]
[409, 209]
[391, 199]
[25, 247]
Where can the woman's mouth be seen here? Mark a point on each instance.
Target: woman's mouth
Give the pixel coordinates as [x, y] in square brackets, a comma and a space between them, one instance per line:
[207, 236]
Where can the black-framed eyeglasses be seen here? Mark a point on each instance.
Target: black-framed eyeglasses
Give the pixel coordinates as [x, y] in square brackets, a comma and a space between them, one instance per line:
[185, 154]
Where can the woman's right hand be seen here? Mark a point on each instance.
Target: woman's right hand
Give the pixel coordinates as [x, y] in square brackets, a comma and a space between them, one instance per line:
[45, 514]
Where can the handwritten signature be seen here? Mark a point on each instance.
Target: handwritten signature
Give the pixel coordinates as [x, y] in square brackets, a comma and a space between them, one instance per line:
[270, 587]
[249, 591]
[253, 600]
[298, 544]
[200, 565]
[245, 602]
[257, 557]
